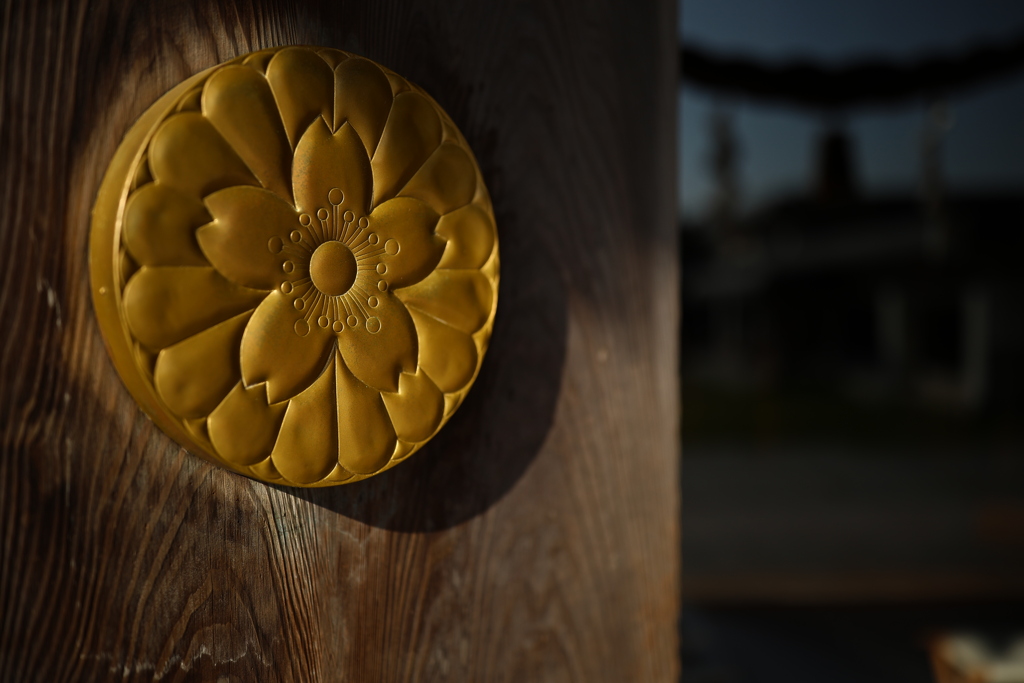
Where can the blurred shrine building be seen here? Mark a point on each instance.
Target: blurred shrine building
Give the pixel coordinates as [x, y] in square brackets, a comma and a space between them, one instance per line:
[911, 299]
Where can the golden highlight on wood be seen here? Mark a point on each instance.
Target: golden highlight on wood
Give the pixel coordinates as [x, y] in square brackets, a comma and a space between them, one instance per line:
[295, 266]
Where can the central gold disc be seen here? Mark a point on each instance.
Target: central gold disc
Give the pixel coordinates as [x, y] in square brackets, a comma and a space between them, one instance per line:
[332, 268]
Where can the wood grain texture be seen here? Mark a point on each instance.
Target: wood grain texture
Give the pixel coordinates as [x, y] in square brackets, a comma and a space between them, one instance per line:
[535, 539]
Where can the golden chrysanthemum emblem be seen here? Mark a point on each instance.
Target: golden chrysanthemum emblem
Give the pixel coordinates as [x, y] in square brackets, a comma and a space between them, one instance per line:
[295, 265]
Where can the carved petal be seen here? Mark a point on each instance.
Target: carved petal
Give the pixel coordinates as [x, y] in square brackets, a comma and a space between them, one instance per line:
[461, 298]
[417, 408]
[323, 162]
[405, 230]
[331, 56]
[377, 357]
[159, 227]
[239, 103]
[303, 85]
[189, 154]
[470, 235]
[246, 239]
[362, 96]
[364, 429]
[307, 447]
[165, 305]
[398, 84]
[259, 60]
[264, 469]
[412, 133]
[446, 181]
[194, 375]
[402, 451]
[447, 355]
[243, 428]
[280, 348]
[339, 474]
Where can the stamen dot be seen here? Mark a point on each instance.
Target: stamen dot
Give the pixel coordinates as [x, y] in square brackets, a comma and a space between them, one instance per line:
[335, 196]
[351, 321]
[372, 238]
[349, 216]
[322, 321]
[363, 222]
[373, 325]
[391, 247]
[382, 268]
[296, 235]
[373, 302]
[275, 245]
[300, 304]
[301, 327]
[287, 266]
[304, 219]
[322, 214]
[286, 288]
[382, 285]
[337, 326]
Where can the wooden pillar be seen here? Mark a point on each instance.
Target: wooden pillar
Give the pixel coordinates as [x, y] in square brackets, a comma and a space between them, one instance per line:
[535, 539]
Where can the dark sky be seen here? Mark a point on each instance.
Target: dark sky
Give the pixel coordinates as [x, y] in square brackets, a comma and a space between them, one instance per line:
[984, 148]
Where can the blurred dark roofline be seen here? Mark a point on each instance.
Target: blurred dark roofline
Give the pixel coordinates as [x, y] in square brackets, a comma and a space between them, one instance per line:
[874, 81]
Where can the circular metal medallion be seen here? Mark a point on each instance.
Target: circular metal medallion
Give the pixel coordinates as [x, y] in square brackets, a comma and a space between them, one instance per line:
[294, 265]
